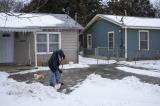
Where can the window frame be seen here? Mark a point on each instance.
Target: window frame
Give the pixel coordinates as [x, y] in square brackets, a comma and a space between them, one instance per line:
[89, 35]
[48, 42]
[141, 40]
[113, 40]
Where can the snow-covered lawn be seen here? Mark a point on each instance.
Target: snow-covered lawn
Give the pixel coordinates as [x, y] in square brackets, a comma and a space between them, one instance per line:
[151, 67]
[94, 91]
[152, 73]
[151, 64]
[89, 61]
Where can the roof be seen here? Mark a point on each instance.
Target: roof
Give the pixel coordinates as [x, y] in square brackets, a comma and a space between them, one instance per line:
[129, 22]
[35, 21]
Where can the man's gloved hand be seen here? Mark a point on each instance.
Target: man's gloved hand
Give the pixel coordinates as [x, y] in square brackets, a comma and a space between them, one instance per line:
[60, 71]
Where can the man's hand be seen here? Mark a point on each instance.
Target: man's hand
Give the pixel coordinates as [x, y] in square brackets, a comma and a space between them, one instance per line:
[60, 71]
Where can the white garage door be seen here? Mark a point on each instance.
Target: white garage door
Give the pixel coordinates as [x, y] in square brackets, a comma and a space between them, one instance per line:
[6, 47]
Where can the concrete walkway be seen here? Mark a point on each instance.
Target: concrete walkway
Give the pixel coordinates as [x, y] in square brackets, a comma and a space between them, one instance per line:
[72, 77]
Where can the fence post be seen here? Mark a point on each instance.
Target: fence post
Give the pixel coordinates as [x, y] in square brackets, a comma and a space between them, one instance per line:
[137, 54]
[108, 52]
[96, 54]
[117, 55]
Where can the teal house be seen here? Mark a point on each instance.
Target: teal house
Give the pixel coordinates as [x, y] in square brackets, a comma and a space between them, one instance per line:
[127, 37]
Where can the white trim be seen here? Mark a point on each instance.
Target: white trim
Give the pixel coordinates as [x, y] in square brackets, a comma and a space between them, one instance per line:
[47, 33]
[47, 43]
[35, 49]
[113, 39]
[126, 41]
[89, 35]
[147, 39]
[29, 49]
[60, 40]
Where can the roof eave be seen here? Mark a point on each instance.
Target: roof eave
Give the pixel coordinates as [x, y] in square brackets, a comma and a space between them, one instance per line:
[33, 29]
[102, 17]
[141, 27]
[17, 29]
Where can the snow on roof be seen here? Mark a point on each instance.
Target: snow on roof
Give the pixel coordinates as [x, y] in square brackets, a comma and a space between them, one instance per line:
[134, 21]
[33, 20]
[128, 21]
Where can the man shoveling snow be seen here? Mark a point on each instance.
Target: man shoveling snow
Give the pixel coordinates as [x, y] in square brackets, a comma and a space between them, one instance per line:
[54, 63]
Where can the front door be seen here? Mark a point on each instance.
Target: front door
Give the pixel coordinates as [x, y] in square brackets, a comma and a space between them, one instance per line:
[6, 47]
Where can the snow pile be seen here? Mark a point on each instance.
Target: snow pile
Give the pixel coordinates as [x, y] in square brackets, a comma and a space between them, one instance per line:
[97, 91]
[152, 73]
[151, 64]
[94, 91]
[36, 91]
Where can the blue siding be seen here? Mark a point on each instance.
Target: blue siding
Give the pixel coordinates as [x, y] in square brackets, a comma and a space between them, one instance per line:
[99, 31]
[154, 39]
[133, 43]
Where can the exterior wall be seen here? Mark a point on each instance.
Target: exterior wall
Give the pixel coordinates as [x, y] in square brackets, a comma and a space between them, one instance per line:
[69, 44]
[99, 31]
[24, 48]
[133, 43]
[69, 40]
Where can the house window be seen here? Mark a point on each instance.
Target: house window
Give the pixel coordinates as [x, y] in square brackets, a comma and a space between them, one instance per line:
[143, 40]
[89, 41]
[110, 40]
[48, 42]
[53, 42]
[41, 42]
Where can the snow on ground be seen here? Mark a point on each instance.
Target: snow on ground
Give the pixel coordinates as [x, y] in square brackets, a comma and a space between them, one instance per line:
[94, 91]
[152, 73]
[83, 63]
[151, 64]
[46, 68]
[151, 67]
[89, 61]
[40, 68]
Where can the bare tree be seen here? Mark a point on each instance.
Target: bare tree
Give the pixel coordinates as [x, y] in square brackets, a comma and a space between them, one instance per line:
[10, 7]
[157, 7]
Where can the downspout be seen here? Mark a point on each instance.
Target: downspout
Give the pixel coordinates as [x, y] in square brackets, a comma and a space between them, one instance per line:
[126, 48]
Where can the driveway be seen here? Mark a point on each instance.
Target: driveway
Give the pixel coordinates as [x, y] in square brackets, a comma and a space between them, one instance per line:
[72, 77]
